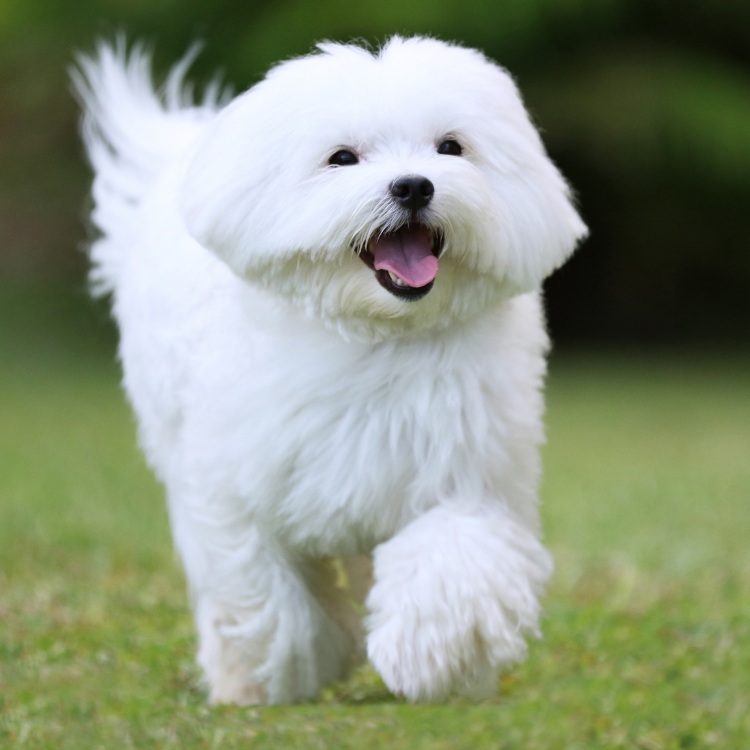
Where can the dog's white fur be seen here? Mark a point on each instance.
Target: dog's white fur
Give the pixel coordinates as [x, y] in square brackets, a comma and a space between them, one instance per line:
[297, 411]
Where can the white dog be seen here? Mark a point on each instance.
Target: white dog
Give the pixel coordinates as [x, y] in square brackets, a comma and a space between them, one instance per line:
[331, 334]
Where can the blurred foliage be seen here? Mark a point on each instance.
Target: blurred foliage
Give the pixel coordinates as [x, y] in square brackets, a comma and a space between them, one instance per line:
[645, 104]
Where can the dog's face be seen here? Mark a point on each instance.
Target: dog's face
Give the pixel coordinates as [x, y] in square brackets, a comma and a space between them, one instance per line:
[384, 193]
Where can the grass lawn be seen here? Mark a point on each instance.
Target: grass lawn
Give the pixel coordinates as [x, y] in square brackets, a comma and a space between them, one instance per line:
[647, 628]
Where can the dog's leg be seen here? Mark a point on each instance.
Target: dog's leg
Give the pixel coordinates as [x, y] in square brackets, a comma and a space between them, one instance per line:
[266, 625]
[454, 593]
[228, 663]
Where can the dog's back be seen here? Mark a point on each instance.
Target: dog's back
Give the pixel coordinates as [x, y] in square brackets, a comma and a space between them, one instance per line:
[131, 132]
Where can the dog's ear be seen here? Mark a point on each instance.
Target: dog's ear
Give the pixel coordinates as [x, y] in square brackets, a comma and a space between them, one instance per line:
[538, 220]
[240, 184]
[216, 195]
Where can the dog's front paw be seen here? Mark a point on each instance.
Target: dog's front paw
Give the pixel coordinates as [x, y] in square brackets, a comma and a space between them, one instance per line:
[419, 662]
[425, 649]
[454, 595]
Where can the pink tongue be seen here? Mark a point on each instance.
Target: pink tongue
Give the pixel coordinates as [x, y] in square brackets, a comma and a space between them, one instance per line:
[408, 254]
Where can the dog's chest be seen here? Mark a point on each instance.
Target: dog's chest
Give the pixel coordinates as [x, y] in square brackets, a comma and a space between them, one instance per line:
[346, 450]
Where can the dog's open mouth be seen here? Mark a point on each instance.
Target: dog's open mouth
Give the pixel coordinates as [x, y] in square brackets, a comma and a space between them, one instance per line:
[405, 261]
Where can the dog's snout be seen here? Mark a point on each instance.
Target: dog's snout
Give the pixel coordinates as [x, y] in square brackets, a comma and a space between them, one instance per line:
[413, 192]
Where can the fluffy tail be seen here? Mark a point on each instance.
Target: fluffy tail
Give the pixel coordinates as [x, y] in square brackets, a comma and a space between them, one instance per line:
[131, 132]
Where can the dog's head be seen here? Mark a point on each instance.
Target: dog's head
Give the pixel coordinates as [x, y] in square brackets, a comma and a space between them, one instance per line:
[393, 191]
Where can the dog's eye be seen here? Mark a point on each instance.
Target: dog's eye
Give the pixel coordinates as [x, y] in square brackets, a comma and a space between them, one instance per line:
[343, 158]
[450, 147]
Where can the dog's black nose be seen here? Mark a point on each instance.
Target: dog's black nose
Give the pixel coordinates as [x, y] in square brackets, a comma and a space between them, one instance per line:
[413, 192]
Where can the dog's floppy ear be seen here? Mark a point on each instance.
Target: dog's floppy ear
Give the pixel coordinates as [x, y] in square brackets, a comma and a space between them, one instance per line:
[220, 180]
[239, 184]
[538, 218]
[535, 205]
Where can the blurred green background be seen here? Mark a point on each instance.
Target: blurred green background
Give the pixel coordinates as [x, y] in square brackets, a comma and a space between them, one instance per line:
[645, 104]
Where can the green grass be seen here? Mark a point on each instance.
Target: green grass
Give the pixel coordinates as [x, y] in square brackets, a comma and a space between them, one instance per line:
[647, 627]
